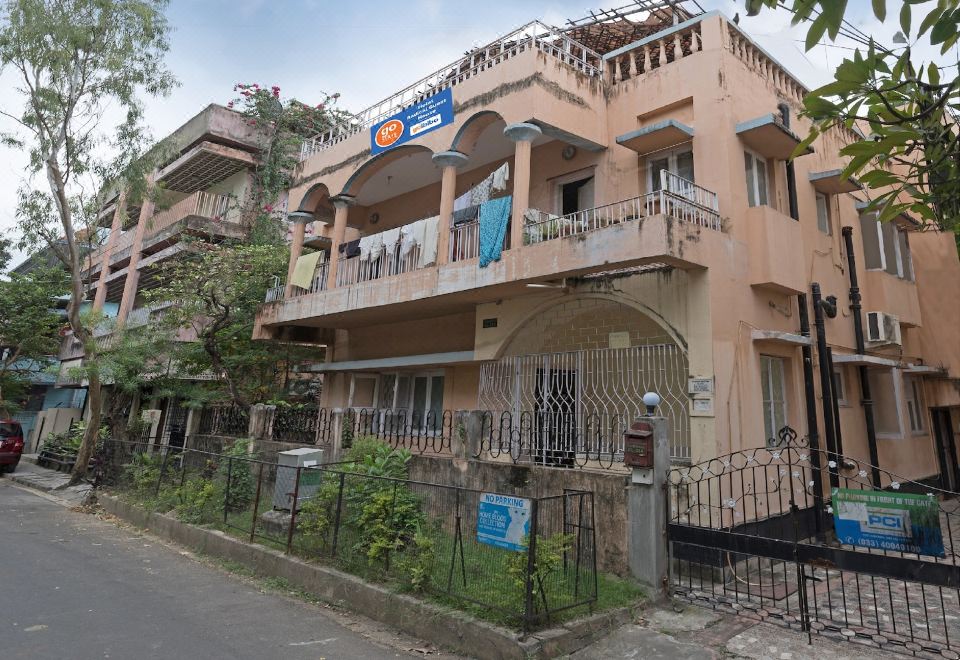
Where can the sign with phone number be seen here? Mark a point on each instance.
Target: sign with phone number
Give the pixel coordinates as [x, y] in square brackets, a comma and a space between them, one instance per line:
[888, 521]
[419, 119]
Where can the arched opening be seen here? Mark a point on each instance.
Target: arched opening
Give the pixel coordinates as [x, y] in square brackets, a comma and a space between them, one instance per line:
[573, 377]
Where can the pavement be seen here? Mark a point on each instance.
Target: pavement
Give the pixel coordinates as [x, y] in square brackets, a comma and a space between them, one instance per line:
[87, 583]
[79, 586]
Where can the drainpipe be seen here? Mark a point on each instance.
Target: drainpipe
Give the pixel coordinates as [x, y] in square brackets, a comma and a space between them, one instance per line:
[811, 404]
[865, 399]
[791, 175]
[838, 435]
[826, 382]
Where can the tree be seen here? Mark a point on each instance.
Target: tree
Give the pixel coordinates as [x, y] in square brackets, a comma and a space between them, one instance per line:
[910, 158]
[28, 330]
[77, 63]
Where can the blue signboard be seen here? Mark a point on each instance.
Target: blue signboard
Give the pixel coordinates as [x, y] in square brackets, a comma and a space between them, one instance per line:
[503, 521]
[888, 521]
[427, 115]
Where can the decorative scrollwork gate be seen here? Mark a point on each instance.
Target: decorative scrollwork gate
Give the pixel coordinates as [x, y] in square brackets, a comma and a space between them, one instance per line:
[752, 533]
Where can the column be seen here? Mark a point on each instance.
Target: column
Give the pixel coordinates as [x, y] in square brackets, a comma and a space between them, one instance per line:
[523, 135]
[449, 161]
[299, 220]
[133, 275]
[341, 204]
[115, 226]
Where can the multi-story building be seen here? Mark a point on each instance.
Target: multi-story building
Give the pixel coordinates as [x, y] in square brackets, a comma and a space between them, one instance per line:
[204, 183]
[657, 237]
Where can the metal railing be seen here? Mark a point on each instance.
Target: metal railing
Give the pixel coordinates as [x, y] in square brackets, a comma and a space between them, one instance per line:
[465, 241]
[682, 206]
[378, 526]
[200, 203]
[537, 35]
[277, 290]
[224, 420]
[355, 270]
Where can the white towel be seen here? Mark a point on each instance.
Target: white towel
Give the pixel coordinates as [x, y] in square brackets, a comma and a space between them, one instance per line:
[428, 248]
[390, 239]
[462, 202]
[412, 235]
[371, 247]
[500, 177]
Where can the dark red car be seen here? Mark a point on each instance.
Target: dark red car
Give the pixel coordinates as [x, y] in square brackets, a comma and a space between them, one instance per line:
[11, 444]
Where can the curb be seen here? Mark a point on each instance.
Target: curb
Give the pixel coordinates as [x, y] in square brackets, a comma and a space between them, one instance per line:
[447, 628]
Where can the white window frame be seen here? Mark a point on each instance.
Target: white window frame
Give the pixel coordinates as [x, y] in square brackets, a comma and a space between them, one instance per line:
[767, 402]
[353, 387]
[904, 262]
[913, 398]
[757, 160]
[407, 405]
[828, 229]
[896, 379]
[572, 177]
[671, 157]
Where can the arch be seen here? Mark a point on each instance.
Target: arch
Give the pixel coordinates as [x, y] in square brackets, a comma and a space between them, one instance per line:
[313, 197]
[377, 163]
[466, 138]
[622, 299]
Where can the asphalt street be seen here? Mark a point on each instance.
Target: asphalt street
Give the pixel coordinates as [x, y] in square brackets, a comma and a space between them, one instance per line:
[75, 586]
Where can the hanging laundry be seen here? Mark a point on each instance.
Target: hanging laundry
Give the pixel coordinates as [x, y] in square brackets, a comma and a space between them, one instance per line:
[390, 239]
[350, 249]
[500, 177]
[304, 269]
[465, 215]
[494, 216]
[371, 247]
[428, 248]
[413, 235]
[480, 193]
[462, 202]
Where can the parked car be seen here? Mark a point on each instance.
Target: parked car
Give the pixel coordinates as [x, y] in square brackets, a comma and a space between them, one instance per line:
[11, 444]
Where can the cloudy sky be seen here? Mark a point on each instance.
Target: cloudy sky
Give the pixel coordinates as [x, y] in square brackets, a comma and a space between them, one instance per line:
[369, 49]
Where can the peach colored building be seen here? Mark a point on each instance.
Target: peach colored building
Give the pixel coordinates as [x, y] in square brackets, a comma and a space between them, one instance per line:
[658, 240]
[205, 181]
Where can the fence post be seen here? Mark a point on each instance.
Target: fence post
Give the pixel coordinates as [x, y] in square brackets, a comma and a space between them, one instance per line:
[336, 434]
[293, 510]
[163, 468]
[469, 430]
[528, 604]
[647, 506]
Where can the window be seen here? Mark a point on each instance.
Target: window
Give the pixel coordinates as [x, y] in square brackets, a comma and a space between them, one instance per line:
[680, 162]
[885, 395]
[773, 384]
[411, 399]
[823, 214]
[839, 387]
[576, 196]
[886, 247]
[913, 393]
[363, 390]
[756, 171]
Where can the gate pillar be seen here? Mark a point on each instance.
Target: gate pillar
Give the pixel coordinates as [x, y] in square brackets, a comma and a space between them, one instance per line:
[647, 514]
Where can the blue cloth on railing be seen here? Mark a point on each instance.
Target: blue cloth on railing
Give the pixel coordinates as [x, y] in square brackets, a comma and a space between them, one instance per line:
[494, 216]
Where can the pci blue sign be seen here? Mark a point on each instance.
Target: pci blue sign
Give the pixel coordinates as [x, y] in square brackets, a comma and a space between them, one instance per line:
[503, 521]
[888, 521]
[427, 115]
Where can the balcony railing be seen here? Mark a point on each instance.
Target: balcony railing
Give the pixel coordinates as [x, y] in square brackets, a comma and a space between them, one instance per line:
[355, 270]
[318, 283]
[200, 203]
[465, 241]
[533, 35]
[654, 51]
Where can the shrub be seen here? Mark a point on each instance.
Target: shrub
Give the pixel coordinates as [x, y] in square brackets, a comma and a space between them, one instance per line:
[200, 501]
[418, 562]
[141, 474]
[243, 485]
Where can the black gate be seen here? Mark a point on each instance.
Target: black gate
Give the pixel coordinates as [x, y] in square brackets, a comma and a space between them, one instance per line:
[751, 533]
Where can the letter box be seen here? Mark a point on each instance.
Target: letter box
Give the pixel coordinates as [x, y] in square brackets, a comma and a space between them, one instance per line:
[638, 445]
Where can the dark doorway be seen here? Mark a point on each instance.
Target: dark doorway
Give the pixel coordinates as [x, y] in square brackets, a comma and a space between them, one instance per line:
[555, 424]
[946, 449]
[175, 429]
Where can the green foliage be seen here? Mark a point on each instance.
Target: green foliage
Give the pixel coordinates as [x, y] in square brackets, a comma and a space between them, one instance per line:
[548, 561]
[199, 501]
[417, 565]
[910, 159]
[28, 329]
[142, 474]
[243, 485]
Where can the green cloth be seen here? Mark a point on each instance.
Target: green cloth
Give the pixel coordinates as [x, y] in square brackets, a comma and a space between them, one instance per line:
[304, 270]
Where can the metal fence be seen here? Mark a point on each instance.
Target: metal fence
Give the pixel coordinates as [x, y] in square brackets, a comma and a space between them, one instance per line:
[298, 425]
[415, 535]
[224, 420]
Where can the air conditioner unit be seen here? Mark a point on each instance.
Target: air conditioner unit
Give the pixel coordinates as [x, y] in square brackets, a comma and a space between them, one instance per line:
[883, 328]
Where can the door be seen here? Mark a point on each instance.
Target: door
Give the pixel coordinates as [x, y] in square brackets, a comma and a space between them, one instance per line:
[175, 431]
[555, 418]
[946, 448]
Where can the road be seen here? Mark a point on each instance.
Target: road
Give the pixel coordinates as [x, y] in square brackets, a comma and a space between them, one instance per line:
[75, 586]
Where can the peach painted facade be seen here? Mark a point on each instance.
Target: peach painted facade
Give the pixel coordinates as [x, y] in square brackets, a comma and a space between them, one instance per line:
[622, 278]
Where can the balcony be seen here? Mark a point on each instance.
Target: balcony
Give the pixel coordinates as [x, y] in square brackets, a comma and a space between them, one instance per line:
[533, 36]
[772, 240]
[662, 228]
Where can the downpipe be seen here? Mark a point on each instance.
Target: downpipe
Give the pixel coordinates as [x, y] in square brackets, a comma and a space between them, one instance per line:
[826, 383]
[813, 434]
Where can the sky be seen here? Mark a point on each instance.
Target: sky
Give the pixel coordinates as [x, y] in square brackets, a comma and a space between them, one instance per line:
[369, 49]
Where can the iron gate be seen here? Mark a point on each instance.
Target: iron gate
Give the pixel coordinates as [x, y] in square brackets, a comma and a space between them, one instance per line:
[752, 533]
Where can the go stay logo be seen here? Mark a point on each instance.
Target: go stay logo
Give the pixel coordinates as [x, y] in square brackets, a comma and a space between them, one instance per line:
[389, 133]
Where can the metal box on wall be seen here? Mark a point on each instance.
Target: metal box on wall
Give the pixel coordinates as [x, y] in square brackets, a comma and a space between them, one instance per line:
[638, 446]
[287, 464]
